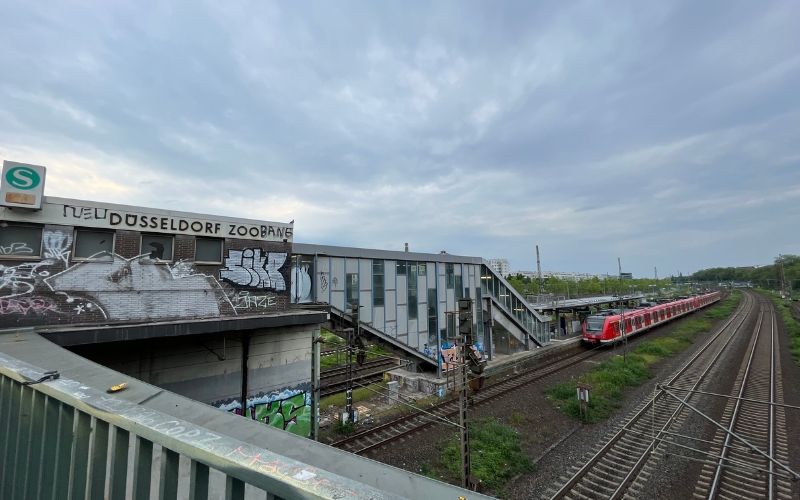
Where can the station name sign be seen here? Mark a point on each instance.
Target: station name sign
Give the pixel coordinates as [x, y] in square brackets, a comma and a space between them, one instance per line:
[112, 218]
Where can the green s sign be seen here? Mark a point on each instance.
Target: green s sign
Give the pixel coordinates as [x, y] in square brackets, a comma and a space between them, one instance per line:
[23, 178]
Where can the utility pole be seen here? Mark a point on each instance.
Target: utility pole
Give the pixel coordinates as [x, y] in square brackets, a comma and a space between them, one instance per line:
[465, 340]
[783, 277]
[539, 269]
[349, 373]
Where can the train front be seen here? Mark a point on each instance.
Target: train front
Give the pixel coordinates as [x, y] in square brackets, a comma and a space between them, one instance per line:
[593, 329]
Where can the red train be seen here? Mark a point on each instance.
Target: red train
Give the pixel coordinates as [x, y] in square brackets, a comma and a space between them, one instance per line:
[604, 328]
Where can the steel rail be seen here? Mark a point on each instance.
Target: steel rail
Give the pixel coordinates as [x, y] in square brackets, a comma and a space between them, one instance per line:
[772, 407]
[572, 482]
[487, 394]
[715, 484]
[752, 447]
[448, 408]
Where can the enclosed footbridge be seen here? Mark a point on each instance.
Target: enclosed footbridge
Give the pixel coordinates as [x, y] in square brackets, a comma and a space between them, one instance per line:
[402, 298]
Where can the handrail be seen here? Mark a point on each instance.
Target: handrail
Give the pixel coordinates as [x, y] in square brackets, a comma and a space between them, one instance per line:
[242, 463]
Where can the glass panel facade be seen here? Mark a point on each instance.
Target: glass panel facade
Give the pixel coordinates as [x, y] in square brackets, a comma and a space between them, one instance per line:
[433, 313]
[401, 268]
[378, 283]
[351, 291]
[93, 244]
[459, 288]
[20, 241]
[413, 312]
[449, 276]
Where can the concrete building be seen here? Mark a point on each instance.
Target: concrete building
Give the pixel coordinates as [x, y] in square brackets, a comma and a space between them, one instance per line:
[500, 266]
[572, 276]
[198, 305]
[404, 298]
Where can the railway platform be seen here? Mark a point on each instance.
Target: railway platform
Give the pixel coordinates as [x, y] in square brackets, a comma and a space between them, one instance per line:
[501, 365]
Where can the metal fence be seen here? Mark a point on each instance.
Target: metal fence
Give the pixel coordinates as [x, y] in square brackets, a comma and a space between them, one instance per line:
[60, 439]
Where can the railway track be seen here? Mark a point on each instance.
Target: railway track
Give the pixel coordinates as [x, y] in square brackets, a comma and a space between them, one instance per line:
[334, 380]
[388, 432]
[618, 463]
[622, 466]
[341, 371]
[739, 472]
[383, 434]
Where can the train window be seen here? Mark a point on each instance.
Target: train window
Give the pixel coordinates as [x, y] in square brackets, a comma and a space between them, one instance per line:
[595, 324]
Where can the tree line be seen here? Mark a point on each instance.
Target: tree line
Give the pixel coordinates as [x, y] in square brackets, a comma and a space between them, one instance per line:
[765, 276]
[586, 287]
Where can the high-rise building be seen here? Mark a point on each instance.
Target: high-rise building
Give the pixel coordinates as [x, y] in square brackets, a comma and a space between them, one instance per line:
[500, 266]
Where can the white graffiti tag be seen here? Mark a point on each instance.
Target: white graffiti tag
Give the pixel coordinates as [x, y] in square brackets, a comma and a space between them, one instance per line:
[253, 268]
[21, 279]
[57, 246]
[18, 248]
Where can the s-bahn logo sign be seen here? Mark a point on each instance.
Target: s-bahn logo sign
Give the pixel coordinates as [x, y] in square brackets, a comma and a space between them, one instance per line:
[22, 185]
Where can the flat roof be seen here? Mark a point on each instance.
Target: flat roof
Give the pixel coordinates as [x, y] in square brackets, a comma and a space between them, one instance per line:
[368, 253]
[66, 335]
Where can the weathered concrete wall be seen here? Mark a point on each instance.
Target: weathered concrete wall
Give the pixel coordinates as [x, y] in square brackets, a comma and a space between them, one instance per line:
[278, 370]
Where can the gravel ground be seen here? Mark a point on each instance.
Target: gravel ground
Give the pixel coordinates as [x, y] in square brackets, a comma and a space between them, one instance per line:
[542, 426]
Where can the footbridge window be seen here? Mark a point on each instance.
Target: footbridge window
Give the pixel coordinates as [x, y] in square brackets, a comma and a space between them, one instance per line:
[378, 283]
[351, 291]
[413, 312]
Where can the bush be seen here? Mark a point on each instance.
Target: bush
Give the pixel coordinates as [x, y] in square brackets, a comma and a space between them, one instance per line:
[495, 453]
[653, 349]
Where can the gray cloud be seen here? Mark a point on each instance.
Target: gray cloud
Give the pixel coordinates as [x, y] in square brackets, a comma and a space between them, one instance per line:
[664, 134]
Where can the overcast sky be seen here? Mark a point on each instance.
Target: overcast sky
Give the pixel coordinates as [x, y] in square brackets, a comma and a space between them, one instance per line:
[665, 133]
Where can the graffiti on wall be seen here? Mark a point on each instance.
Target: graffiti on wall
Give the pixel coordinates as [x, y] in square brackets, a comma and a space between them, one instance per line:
[57, 246]
[449, 357]
[148, 289]
[289, 410]
[18, 248]
[254, 268]
[112, 287]
[301, 284]
[245, 300]
[29, 305]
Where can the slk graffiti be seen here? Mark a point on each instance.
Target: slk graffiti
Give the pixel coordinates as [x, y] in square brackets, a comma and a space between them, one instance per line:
[254, 268]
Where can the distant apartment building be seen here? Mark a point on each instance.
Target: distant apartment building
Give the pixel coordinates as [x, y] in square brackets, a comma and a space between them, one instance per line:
[500, 266]
[559, 275]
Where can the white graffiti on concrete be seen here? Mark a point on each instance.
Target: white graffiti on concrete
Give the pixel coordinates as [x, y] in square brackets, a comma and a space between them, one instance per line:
[57, 246]
[253, 268]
